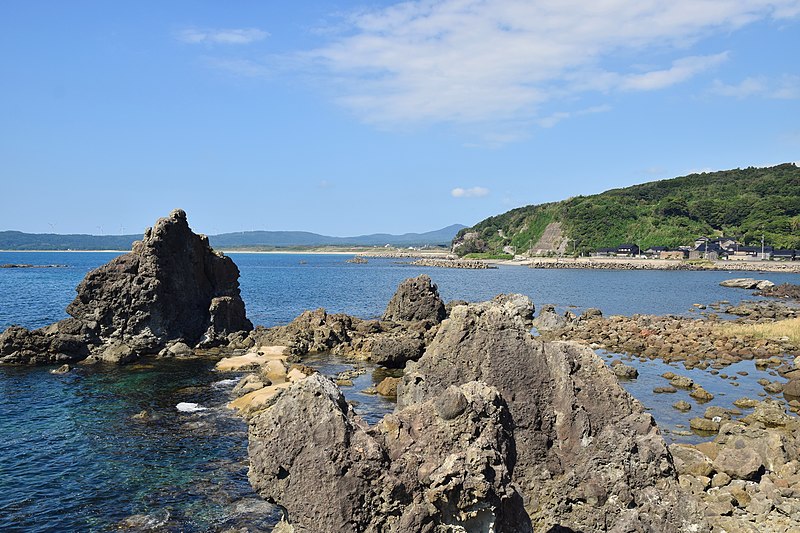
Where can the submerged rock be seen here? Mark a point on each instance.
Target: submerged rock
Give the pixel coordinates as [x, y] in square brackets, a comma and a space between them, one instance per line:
[171, 287]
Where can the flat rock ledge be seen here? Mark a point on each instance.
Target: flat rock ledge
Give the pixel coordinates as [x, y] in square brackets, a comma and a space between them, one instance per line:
[495, 430]
[170, 293]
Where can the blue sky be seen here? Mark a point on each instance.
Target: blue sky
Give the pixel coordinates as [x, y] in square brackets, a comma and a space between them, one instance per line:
[348, 118]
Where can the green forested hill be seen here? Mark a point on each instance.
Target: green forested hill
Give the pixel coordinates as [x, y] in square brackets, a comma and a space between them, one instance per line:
[741, 203]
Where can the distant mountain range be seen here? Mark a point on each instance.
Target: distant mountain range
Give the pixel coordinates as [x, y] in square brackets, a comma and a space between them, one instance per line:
[243, 240]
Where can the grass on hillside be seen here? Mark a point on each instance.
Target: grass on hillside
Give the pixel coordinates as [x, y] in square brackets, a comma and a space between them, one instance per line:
[487, 255]
[769, 330]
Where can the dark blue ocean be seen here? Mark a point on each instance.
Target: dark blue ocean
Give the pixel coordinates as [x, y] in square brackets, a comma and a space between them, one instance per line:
[72, 458]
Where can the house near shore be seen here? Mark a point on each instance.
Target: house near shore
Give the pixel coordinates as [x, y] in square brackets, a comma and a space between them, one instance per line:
[655, 251]
[786, 255]
[674, 254]
[752, 253]
[604, 252]
[709, 249]
[623, 250]
[627, 250]
[728, 244]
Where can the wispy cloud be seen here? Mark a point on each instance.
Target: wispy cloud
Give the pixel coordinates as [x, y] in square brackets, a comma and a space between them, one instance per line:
[471, 61]
[785, 88]
[472, 192]
[553, 119]
[222, 36]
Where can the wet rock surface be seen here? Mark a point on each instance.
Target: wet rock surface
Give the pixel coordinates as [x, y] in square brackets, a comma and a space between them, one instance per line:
[172, 287]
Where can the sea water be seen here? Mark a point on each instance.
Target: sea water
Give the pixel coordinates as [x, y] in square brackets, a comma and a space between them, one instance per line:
[77, 454]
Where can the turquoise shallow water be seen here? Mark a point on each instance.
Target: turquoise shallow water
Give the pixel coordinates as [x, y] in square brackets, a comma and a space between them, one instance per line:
[72, 458]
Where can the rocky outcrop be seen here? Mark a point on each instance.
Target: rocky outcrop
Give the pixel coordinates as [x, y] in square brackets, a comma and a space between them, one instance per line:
[172, 287]
[784, 290]
[64, 341]
[442, 465]
[760, 311]
[495, 430]
[589, 457]
[393, 350]
[748, 477]
[416, 299]
[312, 332]
[747, 283]
[694, 343]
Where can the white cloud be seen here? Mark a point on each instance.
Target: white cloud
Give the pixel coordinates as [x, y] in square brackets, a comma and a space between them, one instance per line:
[472, 192]
[555, 118]
[785, 88]
[222, 36]
[473, 61]
[681, 70]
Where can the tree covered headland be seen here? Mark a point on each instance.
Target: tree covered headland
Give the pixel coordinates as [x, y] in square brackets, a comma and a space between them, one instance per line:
[739, 203]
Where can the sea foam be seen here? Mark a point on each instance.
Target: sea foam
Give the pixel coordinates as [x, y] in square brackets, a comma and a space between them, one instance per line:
[189, 407]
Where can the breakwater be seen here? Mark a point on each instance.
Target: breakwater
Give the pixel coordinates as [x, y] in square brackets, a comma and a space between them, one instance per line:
[663, 264]
[453, 263]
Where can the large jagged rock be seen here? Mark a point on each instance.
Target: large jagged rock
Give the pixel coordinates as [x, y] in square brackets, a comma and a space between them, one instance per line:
[171, 287]
[416, 299]
[589, 458]
[443, 465]
[165, 289]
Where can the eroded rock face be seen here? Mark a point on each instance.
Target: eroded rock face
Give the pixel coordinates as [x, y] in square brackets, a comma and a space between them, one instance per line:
[440, 465]
[171, 287]
[416, 299]
[588, 456]
[164, 289]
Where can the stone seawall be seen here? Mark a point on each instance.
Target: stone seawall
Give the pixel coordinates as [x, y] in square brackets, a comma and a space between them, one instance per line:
[453, 263]
[662, 264]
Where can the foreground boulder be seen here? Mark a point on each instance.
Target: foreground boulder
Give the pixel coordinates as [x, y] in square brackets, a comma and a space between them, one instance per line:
[172, 287]
[589, 458]
[442, 465]
[494, 430]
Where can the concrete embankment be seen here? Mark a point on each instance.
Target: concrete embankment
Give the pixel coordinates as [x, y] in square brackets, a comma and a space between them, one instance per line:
[659, 264]
[454, 263]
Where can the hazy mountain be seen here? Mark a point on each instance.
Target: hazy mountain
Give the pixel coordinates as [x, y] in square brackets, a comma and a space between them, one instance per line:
[17, 240]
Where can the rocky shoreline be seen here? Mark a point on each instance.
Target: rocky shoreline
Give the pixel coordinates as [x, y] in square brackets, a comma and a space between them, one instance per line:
[495, 429]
